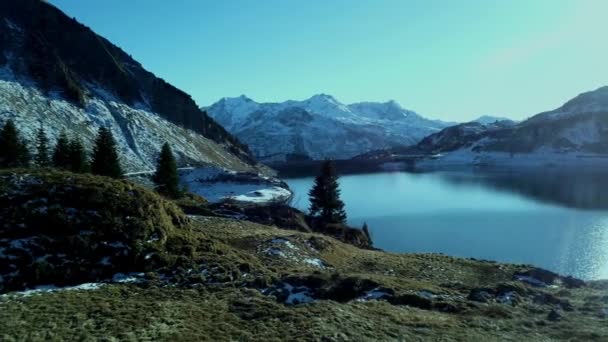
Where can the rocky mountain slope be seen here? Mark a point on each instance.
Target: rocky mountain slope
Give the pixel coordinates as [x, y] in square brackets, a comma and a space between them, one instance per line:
[320, 127]
[65, 251]
[58, 73]
[574, 133]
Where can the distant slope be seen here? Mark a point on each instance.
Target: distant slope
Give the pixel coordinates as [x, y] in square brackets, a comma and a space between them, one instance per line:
[574, 132]
[56, 72]
[320, 127]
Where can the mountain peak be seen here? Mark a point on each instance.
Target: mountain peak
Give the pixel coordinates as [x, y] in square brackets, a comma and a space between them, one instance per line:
[322, 98]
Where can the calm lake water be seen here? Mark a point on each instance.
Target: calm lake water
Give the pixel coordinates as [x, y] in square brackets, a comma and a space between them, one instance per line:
[554, 219]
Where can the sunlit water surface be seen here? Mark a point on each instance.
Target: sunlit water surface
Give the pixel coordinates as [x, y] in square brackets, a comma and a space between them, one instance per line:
[553, 219]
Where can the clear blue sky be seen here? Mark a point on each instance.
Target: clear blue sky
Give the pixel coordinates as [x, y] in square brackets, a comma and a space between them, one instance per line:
[446, 59]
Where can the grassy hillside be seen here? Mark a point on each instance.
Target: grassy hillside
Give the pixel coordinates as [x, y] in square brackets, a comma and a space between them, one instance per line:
[226, 279]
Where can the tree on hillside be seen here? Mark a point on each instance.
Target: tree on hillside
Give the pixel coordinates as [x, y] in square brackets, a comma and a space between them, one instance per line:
[325, 202]
[13, 151]
[165, 178]
[77, 156]
[42, 148]
[105, 157]
[365, 230]
[61, 153]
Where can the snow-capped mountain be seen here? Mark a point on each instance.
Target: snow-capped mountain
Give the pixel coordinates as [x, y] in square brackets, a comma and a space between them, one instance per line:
[58, 73]
[320, 127]
[576, 132]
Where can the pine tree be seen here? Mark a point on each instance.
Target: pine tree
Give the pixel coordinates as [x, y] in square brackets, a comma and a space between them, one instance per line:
[105, 157]
[77, 156]
[325, 202]
[13, 151]
[42, 148]
[165, 178]
[61, 153]
[365, 230]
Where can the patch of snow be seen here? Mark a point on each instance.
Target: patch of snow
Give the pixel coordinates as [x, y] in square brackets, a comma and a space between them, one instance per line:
[314, 262]
[507, 298]
[52, 288]
[153, 238]
[374, 294]
[531, 280]
[299, 295]
[273, 251]
[127, 278]
[217, 185]
[426, 294]
[284, 242]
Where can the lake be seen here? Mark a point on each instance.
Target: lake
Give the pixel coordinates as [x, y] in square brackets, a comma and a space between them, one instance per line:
[555, 219]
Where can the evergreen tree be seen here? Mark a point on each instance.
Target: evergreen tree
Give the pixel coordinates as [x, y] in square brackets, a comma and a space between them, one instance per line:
[105, 157]
[42, 148]
[13, 151]
[165, 178]
[365, 230]
[77, 156]
[324, 196]
[61, 153]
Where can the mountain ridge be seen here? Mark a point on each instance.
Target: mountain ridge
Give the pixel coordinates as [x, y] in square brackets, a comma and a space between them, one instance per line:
[57, 72]
[321, 127]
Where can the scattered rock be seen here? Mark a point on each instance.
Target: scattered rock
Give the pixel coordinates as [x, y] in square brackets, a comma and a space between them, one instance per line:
[554, 316]
[482, 295]
[412, 300]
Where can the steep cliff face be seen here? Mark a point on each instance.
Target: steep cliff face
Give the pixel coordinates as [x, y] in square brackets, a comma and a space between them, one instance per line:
[56, 71]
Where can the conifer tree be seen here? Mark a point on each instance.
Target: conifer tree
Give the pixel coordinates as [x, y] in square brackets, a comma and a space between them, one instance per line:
[61, 153]
[365, 230]
[105, 157]
[325, 202]
[77, 156]
[13, 151]
[42, 148]
[166, 178]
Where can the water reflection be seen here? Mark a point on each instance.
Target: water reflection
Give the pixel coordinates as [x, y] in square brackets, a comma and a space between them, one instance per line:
[556, 219]
[582, 189]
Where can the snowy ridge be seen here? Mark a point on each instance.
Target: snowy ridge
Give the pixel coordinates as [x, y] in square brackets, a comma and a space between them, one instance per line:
[320, 127]
[575, 134]
[139, 132]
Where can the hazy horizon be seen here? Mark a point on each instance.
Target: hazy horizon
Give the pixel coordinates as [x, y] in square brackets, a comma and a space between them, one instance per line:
[453, 61]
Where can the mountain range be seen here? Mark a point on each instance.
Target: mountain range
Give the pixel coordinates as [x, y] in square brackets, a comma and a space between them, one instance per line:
[575, 132]
[58, 73]
[320, 127]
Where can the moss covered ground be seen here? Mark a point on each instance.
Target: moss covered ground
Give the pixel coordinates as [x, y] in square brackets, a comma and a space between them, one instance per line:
[232, 280]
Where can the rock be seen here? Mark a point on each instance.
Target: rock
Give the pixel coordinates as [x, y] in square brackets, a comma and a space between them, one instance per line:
[571, 282]
[447, 307]
[412, 300]
[554, 316]
[482, 295]
[540, 278]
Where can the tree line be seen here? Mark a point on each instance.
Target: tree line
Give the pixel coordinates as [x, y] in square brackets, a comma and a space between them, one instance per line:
[69, 153]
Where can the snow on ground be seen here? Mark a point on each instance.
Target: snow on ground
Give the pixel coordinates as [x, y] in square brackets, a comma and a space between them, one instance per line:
[314, 262]
[139, 132]
[264, 195]
[217, 184]
[541, 157]
[117, 278]
[375, 294]
[52, 288]
[297, 295]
